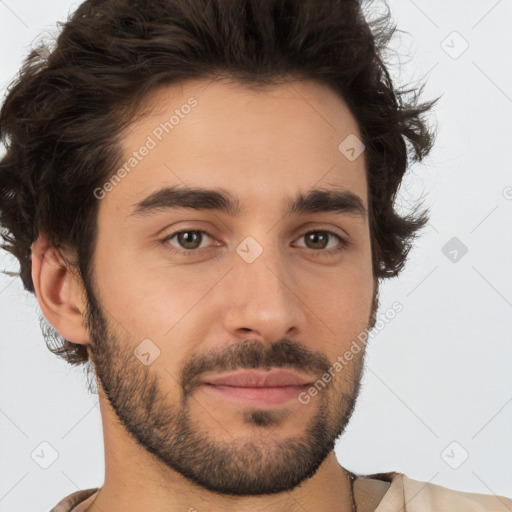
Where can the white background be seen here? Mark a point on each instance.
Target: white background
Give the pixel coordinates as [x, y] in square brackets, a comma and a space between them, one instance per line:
[440, 372]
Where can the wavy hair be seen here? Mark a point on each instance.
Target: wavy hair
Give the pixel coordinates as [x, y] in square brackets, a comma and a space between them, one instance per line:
[63, 117]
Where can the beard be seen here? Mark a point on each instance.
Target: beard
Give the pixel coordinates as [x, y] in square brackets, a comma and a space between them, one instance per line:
[164, 425]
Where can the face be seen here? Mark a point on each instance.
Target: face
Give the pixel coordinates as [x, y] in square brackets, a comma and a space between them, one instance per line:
[267, 267]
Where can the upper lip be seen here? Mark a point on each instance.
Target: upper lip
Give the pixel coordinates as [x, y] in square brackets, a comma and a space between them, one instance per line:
[258, 379]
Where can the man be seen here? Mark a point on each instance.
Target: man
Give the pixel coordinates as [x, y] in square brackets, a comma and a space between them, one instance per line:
[200, 195]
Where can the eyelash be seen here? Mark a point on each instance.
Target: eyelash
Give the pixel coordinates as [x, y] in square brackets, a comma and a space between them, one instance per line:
[344, 244]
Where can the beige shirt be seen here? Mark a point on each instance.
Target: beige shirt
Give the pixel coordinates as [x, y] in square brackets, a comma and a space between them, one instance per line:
[381, 492]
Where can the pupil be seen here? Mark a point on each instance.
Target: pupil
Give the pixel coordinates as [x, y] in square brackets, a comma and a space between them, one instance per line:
[314, 237]
[189, 237]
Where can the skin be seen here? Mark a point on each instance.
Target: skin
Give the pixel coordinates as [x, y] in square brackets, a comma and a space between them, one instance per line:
[170, 450]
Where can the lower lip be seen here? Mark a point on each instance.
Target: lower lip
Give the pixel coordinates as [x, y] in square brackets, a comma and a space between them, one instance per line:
[257, 397]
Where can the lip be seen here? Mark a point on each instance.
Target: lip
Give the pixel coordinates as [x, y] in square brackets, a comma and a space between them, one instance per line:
[259, 379]
[255, 388]
[262, 397]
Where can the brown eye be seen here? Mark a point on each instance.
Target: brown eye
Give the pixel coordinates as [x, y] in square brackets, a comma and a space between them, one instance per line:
[187, 241]
[319, 240]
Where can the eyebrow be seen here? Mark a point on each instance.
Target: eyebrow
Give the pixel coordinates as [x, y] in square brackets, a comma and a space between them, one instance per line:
[219, 199]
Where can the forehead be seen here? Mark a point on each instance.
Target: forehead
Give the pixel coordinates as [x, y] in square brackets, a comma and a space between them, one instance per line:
[266, 142]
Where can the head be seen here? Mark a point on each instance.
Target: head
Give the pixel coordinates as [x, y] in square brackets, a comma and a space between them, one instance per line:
[276, 132]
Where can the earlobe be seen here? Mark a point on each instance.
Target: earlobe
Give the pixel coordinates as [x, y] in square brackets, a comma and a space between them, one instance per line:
[59, 291]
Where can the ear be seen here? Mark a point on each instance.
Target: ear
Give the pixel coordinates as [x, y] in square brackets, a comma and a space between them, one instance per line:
[59, 291]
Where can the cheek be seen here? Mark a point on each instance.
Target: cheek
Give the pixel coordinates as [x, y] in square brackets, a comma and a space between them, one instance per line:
[148, 299]
[131, 300]
[340, 300]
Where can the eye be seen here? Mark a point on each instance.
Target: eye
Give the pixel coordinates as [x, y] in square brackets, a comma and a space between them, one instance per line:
[318, 240]
[189, 240]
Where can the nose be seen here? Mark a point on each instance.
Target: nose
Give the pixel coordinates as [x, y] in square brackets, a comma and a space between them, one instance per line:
[262, 299]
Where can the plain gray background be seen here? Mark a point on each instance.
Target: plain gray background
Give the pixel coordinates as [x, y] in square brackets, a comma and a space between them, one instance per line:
[436, 401]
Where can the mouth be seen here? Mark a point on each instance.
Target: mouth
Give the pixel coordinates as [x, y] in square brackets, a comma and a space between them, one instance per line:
[257, 397]
[256, 388]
